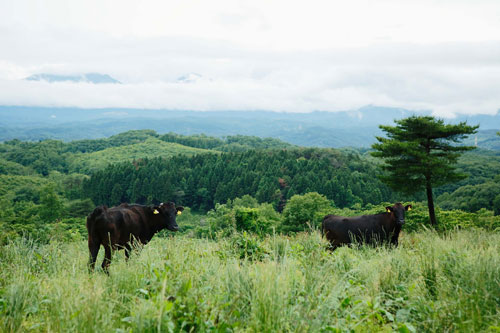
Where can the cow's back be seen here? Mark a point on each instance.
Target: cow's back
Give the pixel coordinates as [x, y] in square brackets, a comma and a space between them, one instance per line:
[336, 229]
[92, 218]
[343, 230]
[125, 223]
[115, 224]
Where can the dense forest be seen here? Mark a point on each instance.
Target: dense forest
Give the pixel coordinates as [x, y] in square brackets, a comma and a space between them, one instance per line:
[51, 183]
[203, 180]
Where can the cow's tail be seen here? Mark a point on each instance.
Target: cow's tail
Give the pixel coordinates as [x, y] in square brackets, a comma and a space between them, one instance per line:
[323, 226]
[98, 211]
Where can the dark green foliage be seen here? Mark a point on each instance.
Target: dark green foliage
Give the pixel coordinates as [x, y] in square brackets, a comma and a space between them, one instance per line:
[496, 205]
[79, 207]
[421, 153]
[269, 176]
[418, 148]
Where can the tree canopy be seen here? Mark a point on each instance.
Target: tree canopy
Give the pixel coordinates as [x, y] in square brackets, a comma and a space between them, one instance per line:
[420, 153]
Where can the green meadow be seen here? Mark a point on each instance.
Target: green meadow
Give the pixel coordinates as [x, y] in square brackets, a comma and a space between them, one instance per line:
[433, 282]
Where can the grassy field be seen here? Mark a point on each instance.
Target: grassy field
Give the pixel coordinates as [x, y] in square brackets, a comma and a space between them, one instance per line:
[432, 282]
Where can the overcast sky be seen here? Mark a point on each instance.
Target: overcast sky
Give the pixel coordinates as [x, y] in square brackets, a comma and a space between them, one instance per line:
[295, 56]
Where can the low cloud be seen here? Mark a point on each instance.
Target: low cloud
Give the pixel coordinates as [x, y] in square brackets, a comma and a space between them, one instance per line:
[449, 78]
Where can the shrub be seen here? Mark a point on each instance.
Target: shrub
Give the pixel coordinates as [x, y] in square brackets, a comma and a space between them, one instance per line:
[303, 211]
[237, 216]
[247, 246]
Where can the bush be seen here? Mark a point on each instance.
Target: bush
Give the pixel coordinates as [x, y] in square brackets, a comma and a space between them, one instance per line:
[261, 220]
[221, 221]
[247, 246]
[304, 211]
[418, 219]
[237, 216]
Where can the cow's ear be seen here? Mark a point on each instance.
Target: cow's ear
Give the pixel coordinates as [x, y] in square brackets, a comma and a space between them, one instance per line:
[388, 209]
[408, 207]
[155, 209]
[179, 210]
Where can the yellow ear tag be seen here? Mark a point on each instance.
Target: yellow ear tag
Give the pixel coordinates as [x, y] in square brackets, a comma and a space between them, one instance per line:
[388, 210]
[156, 211]
[179, 212]
[409, 208]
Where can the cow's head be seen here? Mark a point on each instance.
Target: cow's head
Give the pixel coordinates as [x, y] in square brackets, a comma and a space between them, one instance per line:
[168, 212]
[398, 210]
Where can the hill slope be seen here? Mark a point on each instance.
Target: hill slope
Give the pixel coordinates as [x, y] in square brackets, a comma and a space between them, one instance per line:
[151, 147]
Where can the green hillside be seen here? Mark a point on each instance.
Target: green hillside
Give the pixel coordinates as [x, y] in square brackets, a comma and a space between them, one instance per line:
[151, 147]
[13, 168]
[13, 183]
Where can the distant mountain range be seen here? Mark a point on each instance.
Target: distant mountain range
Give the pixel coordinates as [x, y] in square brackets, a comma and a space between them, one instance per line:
[98, 78]
[190, 78]
[88, 77]
[356, 128]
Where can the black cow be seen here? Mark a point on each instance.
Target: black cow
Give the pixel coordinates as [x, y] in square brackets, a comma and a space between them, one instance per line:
[371, 229]
[117, 227]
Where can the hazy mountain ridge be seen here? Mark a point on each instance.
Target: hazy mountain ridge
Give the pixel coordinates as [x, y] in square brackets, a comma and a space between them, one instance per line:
[95, 78]
[356, 128]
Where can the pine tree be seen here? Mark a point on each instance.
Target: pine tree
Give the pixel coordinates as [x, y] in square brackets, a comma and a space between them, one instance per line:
[420, 153]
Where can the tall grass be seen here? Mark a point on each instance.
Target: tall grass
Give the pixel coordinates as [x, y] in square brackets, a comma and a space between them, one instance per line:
[431, 282]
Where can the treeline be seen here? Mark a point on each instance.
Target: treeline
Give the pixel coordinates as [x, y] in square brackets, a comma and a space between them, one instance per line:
[234, 143]
[70, 178]
[49, 155]
[201, 181]
[481, 189]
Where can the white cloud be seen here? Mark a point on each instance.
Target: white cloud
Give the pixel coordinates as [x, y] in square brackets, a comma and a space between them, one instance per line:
[271, 55]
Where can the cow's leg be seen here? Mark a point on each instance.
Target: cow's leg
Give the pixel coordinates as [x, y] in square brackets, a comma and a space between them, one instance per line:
[107, 258]
[332, 247]
[394, 240]
[332, 239]
[94, 245]
[128, 250]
